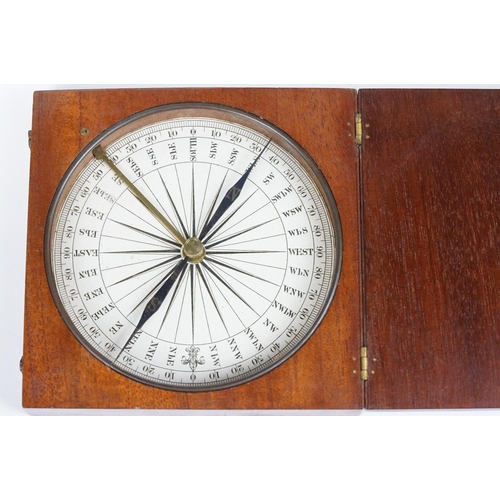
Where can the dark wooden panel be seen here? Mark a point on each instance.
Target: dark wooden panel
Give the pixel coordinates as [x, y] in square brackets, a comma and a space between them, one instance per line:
[59, 373]
[431, 212]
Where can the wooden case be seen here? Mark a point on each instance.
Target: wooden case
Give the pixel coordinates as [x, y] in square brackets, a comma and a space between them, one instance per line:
[59, 373]
[431, 227]
[419, 205]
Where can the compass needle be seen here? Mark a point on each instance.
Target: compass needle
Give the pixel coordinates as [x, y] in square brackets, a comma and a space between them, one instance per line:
[231, 196]
[206, 256]
[156, 301]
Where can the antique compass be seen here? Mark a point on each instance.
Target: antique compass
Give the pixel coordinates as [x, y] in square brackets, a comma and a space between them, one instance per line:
[185, 251]
[193, 247]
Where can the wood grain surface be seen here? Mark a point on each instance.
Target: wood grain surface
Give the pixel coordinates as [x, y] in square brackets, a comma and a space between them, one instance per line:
[431, 221]
[59, 373]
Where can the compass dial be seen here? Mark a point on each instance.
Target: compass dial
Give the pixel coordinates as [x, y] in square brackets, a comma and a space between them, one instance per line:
[193, 247]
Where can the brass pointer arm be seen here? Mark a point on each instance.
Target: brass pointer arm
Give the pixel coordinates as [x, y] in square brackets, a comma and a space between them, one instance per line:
[100, 154]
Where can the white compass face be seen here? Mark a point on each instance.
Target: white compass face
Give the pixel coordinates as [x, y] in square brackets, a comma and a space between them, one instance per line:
[193, 247]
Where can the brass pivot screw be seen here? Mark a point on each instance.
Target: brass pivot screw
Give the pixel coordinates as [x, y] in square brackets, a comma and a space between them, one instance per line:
[194, 250]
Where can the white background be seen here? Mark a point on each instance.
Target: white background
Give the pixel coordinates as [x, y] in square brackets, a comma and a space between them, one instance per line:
[402, 454]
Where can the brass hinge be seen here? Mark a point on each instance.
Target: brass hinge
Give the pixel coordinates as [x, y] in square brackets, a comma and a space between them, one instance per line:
[364, 363]
[29, 139]
[359, 129]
